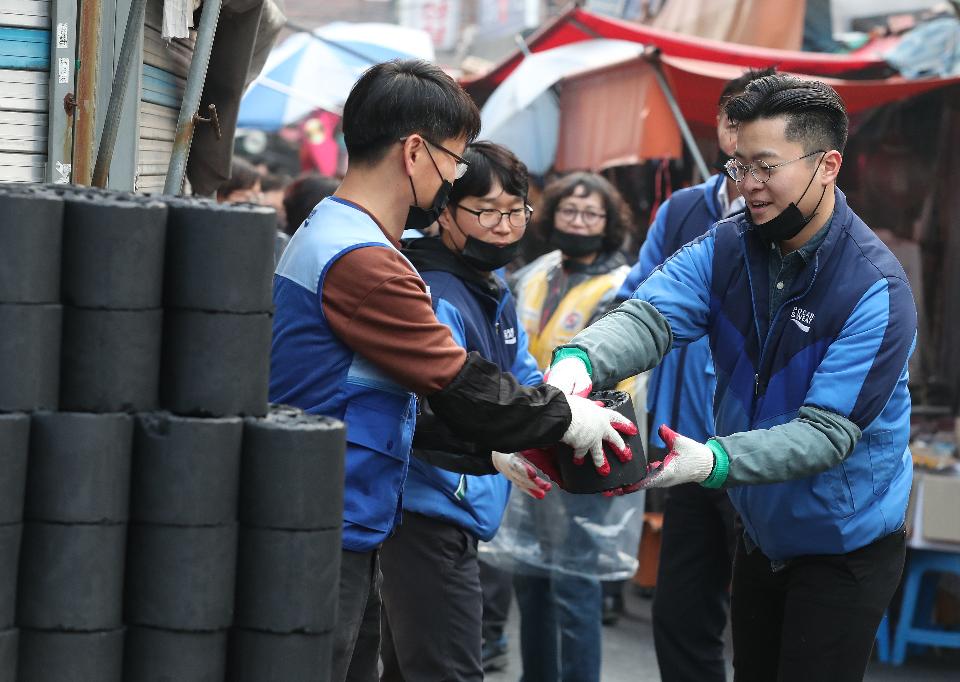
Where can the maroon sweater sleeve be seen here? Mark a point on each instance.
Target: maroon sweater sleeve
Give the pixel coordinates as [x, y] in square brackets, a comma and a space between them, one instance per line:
[379, 307]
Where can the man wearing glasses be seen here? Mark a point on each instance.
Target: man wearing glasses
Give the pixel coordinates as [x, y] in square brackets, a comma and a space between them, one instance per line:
[355, 336]
[811, 322]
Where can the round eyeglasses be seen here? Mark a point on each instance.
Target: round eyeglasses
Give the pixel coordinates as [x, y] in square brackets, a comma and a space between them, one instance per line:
[489, 218]
[760, 170]
[588, 216]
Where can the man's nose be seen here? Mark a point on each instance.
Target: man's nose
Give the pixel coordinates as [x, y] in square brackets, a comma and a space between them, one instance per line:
[503, 225]
[749, 184]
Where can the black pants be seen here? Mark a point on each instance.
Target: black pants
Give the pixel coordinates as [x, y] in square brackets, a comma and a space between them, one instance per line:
[432, 603]
[815, 619]
[356, 643]
[497, 586]
[693, 584]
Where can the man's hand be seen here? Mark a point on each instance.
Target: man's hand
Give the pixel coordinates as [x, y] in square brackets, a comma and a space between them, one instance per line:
[591, 425]
[687, 462]
[545, 459]
[623, 490]
[521, 473]
[570, 375]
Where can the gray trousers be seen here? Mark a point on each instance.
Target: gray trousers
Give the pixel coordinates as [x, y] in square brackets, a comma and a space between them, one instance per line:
[432, 603]
[356, 643]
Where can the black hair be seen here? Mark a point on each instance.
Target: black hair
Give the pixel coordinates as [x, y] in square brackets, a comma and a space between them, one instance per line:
[738, 85]
[583, 184]
[302, 195]
[402, 97]
[489, 161]
[816, 116]
[274, 181]
[243, 175]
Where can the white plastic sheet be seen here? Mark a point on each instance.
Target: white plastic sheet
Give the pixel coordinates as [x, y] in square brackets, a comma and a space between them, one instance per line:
[583, 535]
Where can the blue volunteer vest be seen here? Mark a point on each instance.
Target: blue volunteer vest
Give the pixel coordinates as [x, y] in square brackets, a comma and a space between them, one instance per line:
[312, 369]
[490, 327]
[763, 381]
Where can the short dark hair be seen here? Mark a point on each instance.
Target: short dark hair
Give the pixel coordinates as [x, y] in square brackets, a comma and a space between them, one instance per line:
[402, 97]
[243, 175]
[302, 195]
[738, 85]
[816, 116]
[489, 161]
[582, 184]
[274, 181]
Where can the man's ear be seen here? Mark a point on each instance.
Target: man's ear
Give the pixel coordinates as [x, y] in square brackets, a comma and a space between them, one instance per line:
[830, 167]
[445, 218]
[412, 150]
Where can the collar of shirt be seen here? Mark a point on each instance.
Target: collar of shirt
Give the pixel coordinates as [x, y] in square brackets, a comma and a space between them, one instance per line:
[807, 251]
[728, 207]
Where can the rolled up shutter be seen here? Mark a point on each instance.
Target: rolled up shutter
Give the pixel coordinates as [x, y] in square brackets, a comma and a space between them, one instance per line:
[24, 83]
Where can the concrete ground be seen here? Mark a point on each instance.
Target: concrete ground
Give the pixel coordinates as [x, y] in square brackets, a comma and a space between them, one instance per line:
[628, 654]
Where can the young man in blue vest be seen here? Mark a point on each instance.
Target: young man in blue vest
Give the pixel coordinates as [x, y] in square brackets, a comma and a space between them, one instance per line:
[692, 597]
[355, 336]
[810, 322]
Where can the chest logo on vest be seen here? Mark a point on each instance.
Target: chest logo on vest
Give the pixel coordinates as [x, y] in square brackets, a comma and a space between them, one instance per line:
[802, 318]
[510, 336]
[572, 322]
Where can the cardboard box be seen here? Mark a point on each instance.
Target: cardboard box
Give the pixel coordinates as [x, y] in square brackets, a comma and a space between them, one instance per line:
[941, 508]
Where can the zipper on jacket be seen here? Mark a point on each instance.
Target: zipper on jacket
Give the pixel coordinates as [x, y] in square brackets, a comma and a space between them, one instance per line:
[776, 315]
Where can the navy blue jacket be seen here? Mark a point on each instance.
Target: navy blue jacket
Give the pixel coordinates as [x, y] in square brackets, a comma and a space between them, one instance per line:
[681, 388]
[482, 316]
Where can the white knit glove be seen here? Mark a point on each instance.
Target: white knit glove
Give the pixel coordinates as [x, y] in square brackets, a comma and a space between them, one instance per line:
[591, 425]
[570, 376]
[521, 473]
[687, 462]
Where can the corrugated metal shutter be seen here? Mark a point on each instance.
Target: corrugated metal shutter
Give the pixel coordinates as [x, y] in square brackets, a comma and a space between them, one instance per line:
[24, 93]
[165, 66]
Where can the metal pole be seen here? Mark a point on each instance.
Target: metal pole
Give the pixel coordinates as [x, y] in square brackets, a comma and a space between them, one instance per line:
[652, 56]
[117, 92]
[85, 126]
[191, 96]
[63, 59]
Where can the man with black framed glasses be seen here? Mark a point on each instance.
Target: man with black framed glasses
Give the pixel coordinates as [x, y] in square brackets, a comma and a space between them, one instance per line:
[810, 321]
[355, 336]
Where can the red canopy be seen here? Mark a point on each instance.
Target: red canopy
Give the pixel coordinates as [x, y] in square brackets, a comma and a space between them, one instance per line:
[697, 86]
[576, 25]
[641, 127]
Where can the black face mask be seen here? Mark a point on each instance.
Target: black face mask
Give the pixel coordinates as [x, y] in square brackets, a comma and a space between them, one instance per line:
[788, 224]
[576, 245]
[422, 218]
[483, 255]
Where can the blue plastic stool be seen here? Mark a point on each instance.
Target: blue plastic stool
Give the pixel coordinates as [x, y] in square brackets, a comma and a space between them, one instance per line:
[915, 625]
[883, 639]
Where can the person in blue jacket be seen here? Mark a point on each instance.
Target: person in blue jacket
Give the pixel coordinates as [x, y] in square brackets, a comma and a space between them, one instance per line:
[355, 336]
[431, 575]
[692, 598]
[810, 322]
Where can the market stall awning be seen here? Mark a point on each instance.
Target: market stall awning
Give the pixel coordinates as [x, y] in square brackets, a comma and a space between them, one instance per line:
[697, 85]
[524, 114]
[638, 126]
[576, 25]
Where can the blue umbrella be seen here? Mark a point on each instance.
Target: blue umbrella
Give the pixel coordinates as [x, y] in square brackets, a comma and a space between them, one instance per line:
[316, 70]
